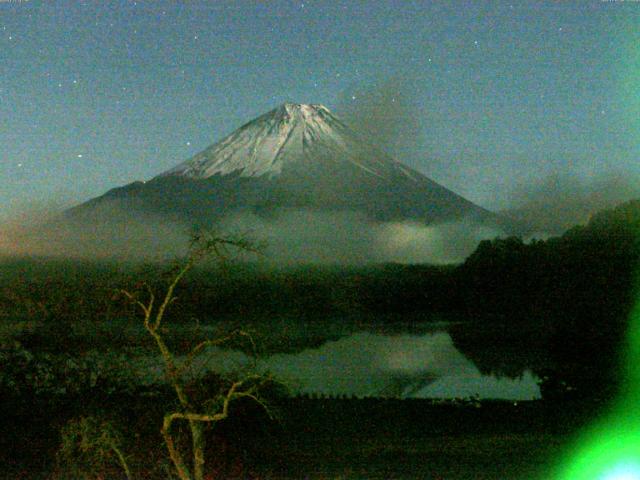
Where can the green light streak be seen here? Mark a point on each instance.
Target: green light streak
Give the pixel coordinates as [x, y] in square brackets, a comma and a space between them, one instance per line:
[610, 449]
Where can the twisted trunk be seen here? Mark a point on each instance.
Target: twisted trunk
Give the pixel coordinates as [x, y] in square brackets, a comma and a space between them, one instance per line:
[198, 445]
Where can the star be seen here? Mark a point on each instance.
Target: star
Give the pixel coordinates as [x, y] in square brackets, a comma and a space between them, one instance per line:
[188, 144]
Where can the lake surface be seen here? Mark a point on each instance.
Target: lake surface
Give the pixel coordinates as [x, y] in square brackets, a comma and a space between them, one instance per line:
[369, 363]
[346, 357]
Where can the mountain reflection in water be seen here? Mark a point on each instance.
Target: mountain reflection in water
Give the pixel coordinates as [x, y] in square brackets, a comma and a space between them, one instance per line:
[424, 365]
[418, 366]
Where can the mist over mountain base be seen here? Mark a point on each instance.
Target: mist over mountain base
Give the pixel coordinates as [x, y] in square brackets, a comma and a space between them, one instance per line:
[290, 236]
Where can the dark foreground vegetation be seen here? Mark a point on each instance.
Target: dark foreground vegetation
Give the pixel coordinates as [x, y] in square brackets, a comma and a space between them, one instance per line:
[558, 307]
[311, 438]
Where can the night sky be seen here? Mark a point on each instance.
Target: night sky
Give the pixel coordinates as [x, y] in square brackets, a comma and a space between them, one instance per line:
[94, 95]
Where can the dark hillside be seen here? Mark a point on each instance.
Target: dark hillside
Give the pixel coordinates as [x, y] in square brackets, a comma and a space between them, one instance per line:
[569, 295]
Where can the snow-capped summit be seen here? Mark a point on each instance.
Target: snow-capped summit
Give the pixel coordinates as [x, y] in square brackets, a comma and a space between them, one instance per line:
[297, 156]
[289, 136]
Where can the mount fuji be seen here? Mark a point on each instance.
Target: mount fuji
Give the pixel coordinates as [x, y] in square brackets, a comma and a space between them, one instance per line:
[296, 156]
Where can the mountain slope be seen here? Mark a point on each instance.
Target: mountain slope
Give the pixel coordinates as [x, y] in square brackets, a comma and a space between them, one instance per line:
[295, 156]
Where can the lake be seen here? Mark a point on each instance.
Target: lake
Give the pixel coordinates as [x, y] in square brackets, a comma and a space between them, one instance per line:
[364, 363]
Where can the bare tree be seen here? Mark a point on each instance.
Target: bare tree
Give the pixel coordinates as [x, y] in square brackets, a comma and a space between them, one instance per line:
[196, 414]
